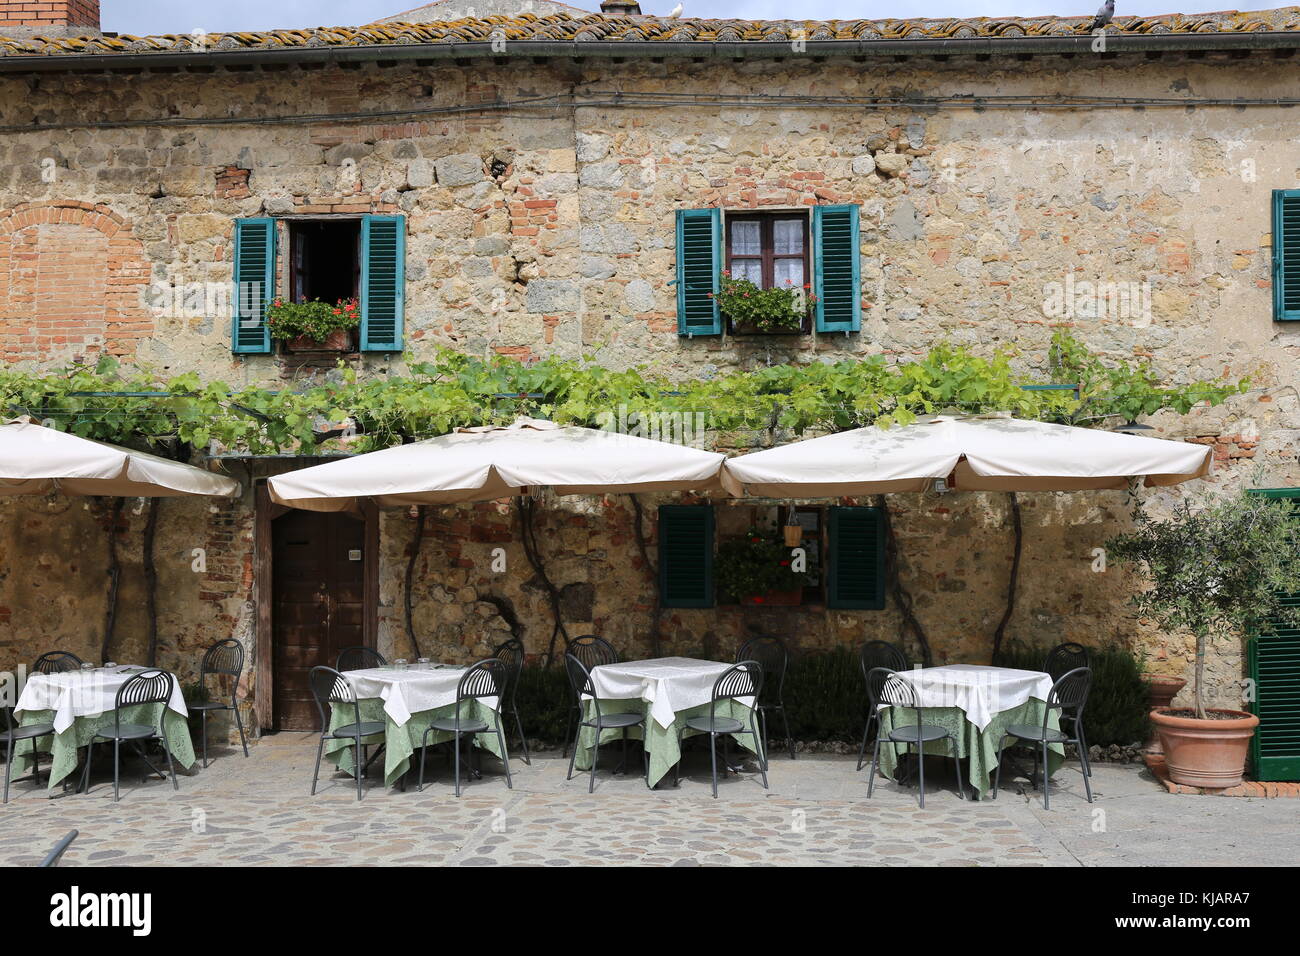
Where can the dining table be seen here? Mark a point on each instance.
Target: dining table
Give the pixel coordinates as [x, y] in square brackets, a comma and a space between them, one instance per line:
[81, 702]
[666, 691]
[407, 698]
[975, 703]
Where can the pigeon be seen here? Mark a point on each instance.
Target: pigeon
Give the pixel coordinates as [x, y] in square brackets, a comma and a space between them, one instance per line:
[1103, 16]
[677, 12]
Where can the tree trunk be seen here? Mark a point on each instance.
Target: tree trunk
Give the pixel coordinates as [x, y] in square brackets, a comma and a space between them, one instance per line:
[1199, 681]
[1014, 580]
[151, 577]
[410, 578]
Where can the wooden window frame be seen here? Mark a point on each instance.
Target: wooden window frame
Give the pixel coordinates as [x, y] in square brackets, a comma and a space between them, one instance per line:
[768, 256]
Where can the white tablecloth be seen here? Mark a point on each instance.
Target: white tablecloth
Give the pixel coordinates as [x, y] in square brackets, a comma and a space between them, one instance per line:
[978, 690]
[668, 684]
[410, 691]
[73, 694]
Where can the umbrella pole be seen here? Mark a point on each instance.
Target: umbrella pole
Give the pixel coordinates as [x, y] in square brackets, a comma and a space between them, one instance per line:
[114, 578]
[1014, 580]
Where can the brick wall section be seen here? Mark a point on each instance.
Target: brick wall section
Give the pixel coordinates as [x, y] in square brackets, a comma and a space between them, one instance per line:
[232, 183]
[72, 279]
[79, 13]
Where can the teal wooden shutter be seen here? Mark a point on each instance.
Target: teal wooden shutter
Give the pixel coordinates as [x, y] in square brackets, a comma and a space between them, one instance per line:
[254, 285]
[686, 555]
[837, 271]
[383, 282]
[1286, 255]
[856, 566]
[699, 269]
[1273, 662]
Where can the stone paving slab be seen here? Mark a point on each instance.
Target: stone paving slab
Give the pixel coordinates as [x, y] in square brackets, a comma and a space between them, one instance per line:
[258, 811]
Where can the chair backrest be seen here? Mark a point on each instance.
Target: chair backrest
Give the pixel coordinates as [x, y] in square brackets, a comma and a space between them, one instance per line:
[511, 653]
[887, 687]
[875, 654]
[149, 687]
[579, 677]
[329, 686]
[223, 657]
[592, 651]
[772, 656]
[744, 679]
[358, 658]
[54, 662]
[484, 679]
[1069, 693]
[1064, 658]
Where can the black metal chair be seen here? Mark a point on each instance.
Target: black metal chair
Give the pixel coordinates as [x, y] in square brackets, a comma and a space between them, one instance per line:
[512, 653]
[149, 687]
[871, 655]
[55, 855]
[581, 683]
[56, 662]
[744, 679]
[1068, 695]
[14, 734]
[358, 658]
[329, 686]
[222, 658]
[885, 687]
[1062, 659]
[485, 679]
[591, 651]
[771, 654]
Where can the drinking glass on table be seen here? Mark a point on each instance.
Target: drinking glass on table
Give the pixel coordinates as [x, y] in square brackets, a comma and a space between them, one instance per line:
[422, 664]
[109, 665]
[400, 663]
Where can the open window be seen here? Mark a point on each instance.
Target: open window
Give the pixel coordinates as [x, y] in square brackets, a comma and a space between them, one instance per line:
[324, 259]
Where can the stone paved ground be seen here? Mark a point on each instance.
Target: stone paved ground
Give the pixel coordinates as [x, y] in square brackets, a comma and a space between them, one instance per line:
[258, 811]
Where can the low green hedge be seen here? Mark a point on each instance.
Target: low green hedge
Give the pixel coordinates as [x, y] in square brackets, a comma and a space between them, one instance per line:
[826, 701]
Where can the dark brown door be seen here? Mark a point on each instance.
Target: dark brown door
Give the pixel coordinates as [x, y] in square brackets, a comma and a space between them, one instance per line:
[319, 606]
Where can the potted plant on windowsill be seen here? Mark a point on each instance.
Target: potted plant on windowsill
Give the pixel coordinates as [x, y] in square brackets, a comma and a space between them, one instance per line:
[314, 326]
[756, 570]
[1220, 571]
[782, 310]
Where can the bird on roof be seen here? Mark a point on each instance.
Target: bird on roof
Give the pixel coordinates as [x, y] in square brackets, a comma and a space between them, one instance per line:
[1103, 16]
[676, 12]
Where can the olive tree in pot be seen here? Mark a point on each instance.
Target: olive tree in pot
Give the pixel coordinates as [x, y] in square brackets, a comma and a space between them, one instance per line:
[1219, 570]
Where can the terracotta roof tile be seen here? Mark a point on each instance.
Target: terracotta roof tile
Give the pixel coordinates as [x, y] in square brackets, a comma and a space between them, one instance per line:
[597, 27]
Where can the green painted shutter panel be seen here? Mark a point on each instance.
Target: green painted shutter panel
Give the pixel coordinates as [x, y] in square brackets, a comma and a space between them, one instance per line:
[254, 285]
[856, 567]
[1286, 255]
[686, 555]
[383, 282]
[699, 269]
[837, 272]
[1273, 661]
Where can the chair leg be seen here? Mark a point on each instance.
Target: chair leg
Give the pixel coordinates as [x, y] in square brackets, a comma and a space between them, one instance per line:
[762, 720]
[862, 750]
[1083, 762]
[573, 756]
[523, 741]
[320, 747]
[875, 760]
[424, 749]
[456, 760]
[677, 767]
[1047, 782]
[9, 766]
[358, 756]
[956, 765]
[117, 760]
[713, 755]
[505, 753]
[234, 705]
[204, 716]
[997, 772]
[762, 754]
[595, 759]
[168, 751]
[645, 752]
[920, 763]
[1082, 743]
[85, 777]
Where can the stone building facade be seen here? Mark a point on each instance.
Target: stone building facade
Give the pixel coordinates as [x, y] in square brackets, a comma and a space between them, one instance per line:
[537, 166]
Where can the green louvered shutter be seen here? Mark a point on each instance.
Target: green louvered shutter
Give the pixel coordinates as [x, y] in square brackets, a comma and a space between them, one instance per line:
[686, 555]
[837, 272]
[254, 285]
[383, 282]
[1273, 660]
[699, 267]
[1286, 255]
[856, 566]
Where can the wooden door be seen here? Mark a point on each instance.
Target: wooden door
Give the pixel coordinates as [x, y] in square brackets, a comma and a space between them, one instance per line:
[318, 576]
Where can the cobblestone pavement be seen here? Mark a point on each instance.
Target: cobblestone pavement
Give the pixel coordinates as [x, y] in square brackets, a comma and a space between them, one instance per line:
[259, 811]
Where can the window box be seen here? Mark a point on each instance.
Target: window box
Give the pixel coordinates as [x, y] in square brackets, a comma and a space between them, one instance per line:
[341, 340]
[791, 598]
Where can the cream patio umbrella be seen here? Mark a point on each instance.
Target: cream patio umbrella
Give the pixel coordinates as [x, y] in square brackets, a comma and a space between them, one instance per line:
[991, 453]
[35, 460]
[489, 462]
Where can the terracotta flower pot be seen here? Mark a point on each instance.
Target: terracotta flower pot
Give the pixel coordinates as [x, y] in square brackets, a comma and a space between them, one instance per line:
[1161, 691]
[339, 340]
[1206, 753]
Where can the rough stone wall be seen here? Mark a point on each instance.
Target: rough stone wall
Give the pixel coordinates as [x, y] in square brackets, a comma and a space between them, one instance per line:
[550, 231]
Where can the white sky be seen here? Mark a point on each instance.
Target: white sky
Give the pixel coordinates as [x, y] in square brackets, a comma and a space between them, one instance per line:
[182, 16]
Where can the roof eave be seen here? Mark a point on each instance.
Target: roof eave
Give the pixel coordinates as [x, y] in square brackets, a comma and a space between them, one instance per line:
[686, 49]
